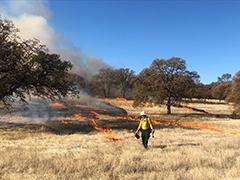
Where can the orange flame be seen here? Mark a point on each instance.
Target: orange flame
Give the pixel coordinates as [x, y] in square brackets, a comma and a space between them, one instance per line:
[96, 115]
[113, 138]
[77, 117]
[56, 105]
[107, 131]
[81, 106]
[127, 118]
[183, 124]
[188, 125]
[121, 99]
[100, 128]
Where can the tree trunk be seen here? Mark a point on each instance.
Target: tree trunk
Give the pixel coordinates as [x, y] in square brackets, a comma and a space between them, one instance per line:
[123, 90]
[169, 106]
[104, 92]
[123, 93]
[108, 91]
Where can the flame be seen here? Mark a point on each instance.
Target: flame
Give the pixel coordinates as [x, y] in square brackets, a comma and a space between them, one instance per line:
[127, 118]
[108, 134]
[77, 117]
[113, 138]
[56, 105]
[96, 115]
[195, 126]
[121, 99]
[188, 125]
[81, 106]
[100, 128]
[183, 124]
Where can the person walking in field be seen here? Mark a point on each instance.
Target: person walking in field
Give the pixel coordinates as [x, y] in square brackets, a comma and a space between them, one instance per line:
[146, 128]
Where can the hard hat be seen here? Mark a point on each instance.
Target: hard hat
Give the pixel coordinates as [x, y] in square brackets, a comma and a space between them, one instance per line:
[143, 113]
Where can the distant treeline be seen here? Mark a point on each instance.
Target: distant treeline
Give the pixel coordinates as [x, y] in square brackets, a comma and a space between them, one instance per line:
[165, 81]
[123, 82]
[28, 68]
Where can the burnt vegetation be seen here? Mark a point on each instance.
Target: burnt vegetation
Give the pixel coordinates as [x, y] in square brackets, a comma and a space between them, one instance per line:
[27, 68]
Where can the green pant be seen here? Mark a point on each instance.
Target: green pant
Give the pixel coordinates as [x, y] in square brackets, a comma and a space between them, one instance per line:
[145, 136]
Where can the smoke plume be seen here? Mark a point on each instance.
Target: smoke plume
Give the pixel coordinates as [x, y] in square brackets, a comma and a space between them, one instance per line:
[32, 18]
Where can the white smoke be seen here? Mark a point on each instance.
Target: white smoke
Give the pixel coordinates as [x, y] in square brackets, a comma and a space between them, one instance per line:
[83, 65]
[32, 17]
[19, 7]
[33, 26]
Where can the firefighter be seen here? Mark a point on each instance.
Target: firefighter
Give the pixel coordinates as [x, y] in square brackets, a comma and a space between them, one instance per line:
[145, 125]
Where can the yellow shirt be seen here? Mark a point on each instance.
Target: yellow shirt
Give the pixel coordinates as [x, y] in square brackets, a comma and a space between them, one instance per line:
[145, 123]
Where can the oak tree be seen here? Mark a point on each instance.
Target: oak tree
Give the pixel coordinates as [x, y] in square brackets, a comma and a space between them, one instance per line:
[165, 81]
[27, 68]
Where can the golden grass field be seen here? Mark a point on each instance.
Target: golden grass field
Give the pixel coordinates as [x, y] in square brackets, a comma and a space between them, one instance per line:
[35, 152]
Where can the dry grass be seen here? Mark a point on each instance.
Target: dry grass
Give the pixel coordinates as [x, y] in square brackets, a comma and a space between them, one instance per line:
[161, 109]
[174, 153]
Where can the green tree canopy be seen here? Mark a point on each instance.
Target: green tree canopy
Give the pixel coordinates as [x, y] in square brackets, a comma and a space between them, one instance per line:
[27, 68]
[103, 82]
[226, 77]
[234, 95]
[124, 80]
[164, 81]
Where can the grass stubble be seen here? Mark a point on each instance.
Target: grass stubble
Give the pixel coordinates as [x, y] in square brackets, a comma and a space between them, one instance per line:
[174, 153]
